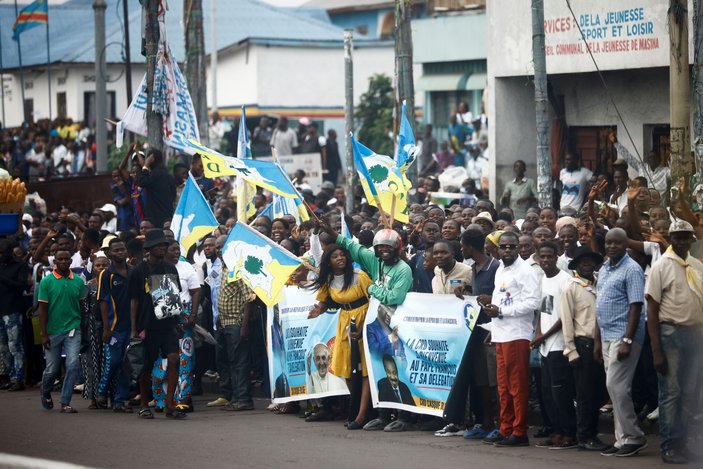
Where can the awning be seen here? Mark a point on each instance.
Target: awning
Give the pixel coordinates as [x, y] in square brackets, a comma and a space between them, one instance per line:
[439, 82]
[452, 82]
[476, 81]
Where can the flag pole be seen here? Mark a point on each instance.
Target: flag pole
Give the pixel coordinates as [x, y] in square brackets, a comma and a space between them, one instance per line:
[48, 58]
[2, 85]
[392, 211]
[19, 54]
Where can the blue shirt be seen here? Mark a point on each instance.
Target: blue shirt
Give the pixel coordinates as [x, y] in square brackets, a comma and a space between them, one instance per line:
[113, 289]
[619, 286]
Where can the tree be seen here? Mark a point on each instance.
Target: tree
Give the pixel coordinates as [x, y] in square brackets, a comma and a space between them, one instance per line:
[374, 115]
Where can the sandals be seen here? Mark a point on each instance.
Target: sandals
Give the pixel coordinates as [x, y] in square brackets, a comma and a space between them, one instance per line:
[145, 413]
[175, 414]
[185, 408]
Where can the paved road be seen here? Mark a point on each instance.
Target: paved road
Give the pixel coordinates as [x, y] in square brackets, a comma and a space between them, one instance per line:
[258, 439]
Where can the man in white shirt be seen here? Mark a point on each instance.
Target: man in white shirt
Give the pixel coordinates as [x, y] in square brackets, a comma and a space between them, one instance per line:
[516, 297]
[557, 380]
[284, 139]
[62, 159]
[573, 182]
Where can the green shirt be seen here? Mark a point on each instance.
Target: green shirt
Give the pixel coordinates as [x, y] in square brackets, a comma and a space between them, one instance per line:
[390, 286]
[526, 188]
[62, 295]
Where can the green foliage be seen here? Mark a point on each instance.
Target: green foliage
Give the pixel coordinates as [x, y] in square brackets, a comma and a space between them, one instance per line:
[374, 115]
[254, 265]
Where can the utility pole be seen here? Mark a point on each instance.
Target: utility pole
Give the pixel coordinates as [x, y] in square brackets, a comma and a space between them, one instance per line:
[213, 54]
[195, 61]
[153, 119]
[681, 161]
[349, 118]
[698, 87]
[99, 6]
[127, 60]
[404, 73]
[544, 175]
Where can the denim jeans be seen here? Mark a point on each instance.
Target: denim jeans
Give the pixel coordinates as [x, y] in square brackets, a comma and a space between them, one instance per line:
[238, 361]
[114, 352]
[71, 347]
[679, 387]
[11, 346]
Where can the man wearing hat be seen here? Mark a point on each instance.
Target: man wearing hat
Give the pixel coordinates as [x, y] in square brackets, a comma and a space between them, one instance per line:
[485, 221]
[154, 287]
[109, 212]
[674, 295]
[578, 318]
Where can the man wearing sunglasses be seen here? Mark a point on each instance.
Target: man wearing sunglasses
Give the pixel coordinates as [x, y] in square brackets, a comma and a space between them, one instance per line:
[516, 297]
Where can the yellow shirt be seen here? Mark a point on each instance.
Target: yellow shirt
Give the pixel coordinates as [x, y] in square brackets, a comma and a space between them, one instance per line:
[667, 285]
[578, 314]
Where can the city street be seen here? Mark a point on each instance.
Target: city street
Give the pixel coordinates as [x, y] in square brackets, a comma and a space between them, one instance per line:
[260, 439]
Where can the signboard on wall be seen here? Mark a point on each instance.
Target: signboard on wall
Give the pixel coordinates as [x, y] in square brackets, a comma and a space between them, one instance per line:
[311, 163]
[618, 34]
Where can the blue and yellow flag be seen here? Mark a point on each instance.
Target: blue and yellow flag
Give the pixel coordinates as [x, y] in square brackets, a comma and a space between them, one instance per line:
[193, 218]
[260, 173]
[407, 151]
[381, 178]
[34, 14]
[262, 264]
[245, 190]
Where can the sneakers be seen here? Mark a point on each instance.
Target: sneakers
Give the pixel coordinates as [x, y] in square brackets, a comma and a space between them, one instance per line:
[219, 402]
[593, 444]
[375, 425]
[476, 433]
[238, 406]
[554, 440]
[16, 386]
[513, 441]
[46, 401]
[630, 450]
[544, 432]
[450, 430]
[654, 415]
[610, 451]
[673, 456]
[493, 437]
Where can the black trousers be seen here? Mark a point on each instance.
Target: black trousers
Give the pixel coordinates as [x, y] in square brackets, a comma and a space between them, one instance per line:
[558, 393]
[589, 379]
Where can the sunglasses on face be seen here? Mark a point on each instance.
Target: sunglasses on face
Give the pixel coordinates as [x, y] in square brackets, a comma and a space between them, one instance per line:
[505, 247]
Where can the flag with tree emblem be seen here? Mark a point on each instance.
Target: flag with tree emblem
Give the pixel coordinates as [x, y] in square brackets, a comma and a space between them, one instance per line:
[262, 264]
[381, 178]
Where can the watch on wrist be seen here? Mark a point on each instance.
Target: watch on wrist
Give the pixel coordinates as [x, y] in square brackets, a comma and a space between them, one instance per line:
[627, 340]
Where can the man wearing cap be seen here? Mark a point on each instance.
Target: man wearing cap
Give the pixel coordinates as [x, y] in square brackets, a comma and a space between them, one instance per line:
[578, 322]
[109, 212]
[675, 321]
[155, 284]
[619, 338]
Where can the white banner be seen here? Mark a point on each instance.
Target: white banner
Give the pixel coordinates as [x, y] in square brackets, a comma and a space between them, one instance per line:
[311, 163]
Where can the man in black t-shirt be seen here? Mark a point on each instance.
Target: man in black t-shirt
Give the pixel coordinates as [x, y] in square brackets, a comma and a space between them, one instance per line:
[160, 189]
[154, 289]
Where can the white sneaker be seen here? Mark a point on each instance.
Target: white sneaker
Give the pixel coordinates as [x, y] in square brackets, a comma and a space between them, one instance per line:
[219, 402]
[654, 415]
[78, 388]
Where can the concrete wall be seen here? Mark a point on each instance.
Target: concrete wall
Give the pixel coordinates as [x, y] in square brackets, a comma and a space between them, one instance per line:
[450, 38]
[74, 80]
[237, 77]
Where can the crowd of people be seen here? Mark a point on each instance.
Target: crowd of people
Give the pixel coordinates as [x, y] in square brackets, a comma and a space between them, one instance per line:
[595, 303]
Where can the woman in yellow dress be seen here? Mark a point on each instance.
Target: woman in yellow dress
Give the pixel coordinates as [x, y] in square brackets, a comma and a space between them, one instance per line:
[341, 286]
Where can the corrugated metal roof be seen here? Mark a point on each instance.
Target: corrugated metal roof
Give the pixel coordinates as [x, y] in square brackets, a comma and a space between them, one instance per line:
[72, 30]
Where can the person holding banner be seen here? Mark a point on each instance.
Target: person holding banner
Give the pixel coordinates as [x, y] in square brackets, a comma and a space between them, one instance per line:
[340, 285]
[392, 280]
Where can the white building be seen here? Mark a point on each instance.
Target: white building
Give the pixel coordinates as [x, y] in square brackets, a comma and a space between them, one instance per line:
[630, 45]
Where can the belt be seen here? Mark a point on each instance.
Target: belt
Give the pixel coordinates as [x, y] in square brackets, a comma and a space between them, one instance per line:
[348, 306]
